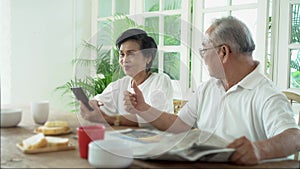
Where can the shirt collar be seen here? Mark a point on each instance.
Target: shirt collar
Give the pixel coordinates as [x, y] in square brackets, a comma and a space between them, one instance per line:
[252, 79]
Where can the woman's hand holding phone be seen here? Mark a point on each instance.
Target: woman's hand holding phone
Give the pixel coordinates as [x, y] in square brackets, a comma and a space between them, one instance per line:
[80, 95]
[94, 116]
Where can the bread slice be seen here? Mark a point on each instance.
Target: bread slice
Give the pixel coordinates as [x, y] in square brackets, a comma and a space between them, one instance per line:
[35, 142]
[52, 130]
[57, 141]
[56, 124]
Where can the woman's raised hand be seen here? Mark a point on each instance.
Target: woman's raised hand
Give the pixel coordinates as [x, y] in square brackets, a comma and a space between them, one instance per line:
[134, 102]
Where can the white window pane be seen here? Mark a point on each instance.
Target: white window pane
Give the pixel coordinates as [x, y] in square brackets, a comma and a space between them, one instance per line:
[104, 8]
[240, 2]
[249, 17]
[295, 37]
[295, 69]
[214, 3]
[171, 5]
[151, 5]
[210, 17]
[152, 27]
[172, 30]
[122, 7]
[103, 37]
[172, 65]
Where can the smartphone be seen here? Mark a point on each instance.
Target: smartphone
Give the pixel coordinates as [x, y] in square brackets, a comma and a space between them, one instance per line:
[80, 95]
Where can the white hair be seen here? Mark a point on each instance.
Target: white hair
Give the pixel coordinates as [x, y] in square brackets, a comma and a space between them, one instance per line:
[233, 32]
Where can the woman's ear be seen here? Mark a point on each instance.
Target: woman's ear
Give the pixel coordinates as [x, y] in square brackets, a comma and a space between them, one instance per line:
[148, 59]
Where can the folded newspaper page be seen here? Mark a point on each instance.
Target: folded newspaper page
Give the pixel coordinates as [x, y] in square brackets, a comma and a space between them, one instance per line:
[194, 145]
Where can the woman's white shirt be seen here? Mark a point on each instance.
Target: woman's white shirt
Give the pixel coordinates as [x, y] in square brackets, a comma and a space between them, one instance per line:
[157, 90]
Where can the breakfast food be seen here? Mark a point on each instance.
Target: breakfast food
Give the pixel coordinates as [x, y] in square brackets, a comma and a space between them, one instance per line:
[40, 141]
[54, 128]
[56, 124]
[57, 141]
[35, 142]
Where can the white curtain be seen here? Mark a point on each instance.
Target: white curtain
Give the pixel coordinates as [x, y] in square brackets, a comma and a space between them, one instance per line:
[5, 52]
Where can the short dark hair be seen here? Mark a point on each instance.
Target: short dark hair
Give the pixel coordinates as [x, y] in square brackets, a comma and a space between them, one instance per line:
[142, 38]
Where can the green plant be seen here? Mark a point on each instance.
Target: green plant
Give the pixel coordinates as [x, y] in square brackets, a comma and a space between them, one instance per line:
[295, 24]
[295, 31]
[106, 70]
[295, 75]
[295, 38]
[105, 61]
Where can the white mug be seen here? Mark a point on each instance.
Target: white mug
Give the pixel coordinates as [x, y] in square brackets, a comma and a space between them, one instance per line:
[109, 154]
[40, 111]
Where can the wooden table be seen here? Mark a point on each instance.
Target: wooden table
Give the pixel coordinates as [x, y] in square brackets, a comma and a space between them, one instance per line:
[12, 157]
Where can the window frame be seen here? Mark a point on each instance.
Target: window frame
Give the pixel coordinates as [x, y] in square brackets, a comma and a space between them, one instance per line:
[198, 23]
[282, 63]
[181, 87]
[192, 67]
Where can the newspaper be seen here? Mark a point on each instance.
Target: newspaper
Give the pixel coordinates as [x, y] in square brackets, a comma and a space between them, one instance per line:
[194, 145]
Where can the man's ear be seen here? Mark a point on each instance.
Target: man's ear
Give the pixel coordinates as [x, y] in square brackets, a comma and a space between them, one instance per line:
[225, 51]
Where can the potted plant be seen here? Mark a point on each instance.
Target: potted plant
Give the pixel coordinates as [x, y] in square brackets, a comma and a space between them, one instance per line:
[105, 62]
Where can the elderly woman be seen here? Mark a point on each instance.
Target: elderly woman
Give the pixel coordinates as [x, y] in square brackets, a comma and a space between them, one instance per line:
[137, 51]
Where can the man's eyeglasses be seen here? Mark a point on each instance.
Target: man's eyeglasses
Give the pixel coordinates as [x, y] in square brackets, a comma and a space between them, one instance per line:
[203, 50]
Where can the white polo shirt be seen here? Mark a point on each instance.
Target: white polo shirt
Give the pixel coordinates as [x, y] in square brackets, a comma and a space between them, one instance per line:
[254, 108]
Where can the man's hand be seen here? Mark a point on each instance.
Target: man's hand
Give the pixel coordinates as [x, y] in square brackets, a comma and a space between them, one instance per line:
[134, 102]
[94, 116]
[246, 153]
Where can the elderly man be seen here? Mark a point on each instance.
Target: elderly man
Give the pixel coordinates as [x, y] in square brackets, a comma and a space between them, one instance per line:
[238, 103]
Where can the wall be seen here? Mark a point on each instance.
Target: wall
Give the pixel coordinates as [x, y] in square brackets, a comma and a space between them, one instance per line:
[45, 37]
[5, 48]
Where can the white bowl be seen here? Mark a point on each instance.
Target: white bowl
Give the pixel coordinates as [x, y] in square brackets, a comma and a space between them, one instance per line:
[109, 154]
[10, 117]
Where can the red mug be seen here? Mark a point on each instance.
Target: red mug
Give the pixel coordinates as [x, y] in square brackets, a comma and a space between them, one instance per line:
[86, 134]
